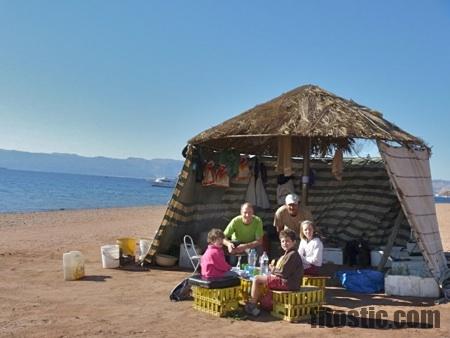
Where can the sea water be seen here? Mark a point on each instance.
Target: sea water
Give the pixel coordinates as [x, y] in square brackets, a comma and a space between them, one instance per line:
[26, 191]
[441, 199]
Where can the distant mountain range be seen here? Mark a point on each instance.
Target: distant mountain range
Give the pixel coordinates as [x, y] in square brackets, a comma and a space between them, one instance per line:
[441, 187]
[104, 166]
[100, 166]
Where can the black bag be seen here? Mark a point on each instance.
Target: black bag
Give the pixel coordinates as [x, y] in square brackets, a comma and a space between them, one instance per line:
[181, 292]
[357, 252]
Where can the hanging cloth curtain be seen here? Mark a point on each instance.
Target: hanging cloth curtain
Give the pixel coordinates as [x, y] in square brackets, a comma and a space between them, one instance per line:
[284, 161]
[250, 196]
[262, 200]
[285, 187]
[222, 178]
[409, 172]
[244, 172]
[209, 174]
[256, 193]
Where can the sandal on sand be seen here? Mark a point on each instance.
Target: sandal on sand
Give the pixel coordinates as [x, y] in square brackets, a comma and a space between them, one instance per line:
[237, 315]
[252, 309]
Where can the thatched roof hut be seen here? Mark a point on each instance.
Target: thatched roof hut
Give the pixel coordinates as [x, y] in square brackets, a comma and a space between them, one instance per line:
[307, 112]
[382, 200]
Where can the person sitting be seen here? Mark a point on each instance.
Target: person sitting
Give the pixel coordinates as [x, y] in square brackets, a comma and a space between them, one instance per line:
[244, 232]
[310, 249]
[290, 215]
[213, 262]
[286, 274]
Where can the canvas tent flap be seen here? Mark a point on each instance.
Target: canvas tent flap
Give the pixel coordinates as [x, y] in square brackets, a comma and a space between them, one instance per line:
[362, 205]
[409, 172]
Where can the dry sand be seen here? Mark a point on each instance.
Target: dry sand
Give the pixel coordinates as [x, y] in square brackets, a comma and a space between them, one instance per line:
[35, 301]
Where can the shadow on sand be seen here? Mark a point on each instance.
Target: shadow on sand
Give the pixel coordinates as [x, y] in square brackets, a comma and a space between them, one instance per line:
[95, 278]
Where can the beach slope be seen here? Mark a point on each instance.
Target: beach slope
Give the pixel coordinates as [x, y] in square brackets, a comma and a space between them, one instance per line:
[35, 301]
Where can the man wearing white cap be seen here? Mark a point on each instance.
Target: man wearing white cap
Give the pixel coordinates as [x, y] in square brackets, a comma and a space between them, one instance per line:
[290, 215]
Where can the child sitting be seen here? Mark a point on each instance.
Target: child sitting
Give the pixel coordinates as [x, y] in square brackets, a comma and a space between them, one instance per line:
[310, 249]
[213, 262]
[286, 274]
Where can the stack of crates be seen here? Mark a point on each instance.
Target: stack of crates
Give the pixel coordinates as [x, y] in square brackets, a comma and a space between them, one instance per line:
[217, 302]
[246, 288]
[294, 306]
[319, 281]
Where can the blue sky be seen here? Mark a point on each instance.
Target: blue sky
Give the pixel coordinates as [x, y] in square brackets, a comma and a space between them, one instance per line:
[139, 78]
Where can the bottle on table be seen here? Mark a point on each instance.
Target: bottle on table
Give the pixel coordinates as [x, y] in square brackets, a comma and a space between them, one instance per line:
[264, 264]
[252, 256]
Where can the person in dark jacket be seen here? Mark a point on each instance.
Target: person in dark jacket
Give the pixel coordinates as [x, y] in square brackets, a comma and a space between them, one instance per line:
[286, 274]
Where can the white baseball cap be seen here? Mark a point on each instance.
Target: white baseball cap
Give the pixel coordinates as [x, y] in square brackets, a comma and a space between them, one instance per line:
[292, 199]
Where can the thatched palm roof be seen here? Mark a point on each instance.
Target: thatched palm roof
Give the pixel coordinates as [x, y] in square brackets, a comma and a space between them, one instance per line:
[307, 112]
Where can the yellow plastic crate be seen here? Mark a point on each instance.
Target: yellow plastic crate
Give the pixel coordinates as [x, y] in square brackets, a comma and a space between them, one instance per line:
[294, 306]
[319, 281]
[217, 302]
[246, 288]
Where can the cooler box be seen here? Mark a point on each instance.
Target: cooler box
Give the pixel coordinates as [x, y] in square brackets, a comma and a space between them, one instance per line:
[333, 255]
[411, 286]
[415, 266]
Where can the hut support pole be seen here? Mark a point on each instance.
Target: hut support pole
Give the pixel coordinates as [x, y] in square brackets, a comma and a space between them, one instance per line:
[305, 176]
[391, 240]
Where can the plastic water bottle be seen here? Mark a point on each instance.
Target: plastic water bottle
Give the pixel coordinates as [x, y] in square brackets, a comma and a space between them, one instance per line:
[73, 265]
[252, 259]
[264, 264]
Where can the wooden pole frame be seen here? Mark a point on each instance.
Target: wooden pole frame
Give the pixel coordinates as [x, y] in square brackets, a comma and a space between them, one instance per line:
[305, 176]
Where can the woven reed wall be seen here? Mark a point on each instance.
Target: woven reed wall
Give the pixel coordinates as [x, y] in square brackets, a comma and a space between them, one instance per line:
[363, 204]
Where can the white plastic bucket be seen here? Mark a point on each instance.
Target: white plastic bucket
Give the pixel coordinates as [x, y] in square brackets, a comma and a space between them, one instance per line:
[110, 256]
[73, 265]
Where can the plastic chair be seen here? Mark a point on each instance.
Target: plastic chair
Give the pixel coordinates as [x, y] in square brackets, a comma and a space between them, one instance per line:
[191, 252]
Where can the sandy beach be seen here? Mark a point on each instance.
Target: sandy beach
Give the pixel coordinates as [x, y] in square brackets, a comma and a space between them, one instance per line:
[35, 301]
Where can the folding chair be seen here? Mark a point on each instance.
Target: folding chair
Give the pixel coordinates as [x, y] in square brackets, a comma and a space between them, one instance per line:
[194, 257]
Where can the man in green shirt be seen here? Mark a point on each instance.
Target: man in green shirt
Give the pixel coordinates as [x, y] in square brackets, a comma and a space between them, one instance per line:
[246, 230]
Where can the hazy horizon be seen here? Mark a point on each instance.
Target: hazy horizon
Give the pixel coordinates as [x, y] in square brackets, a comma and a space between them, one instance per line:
[138, 158]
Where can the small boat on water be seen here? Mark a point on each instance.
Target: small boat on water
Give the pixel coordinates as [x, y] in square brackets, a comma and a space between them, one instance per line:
[164, 182]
